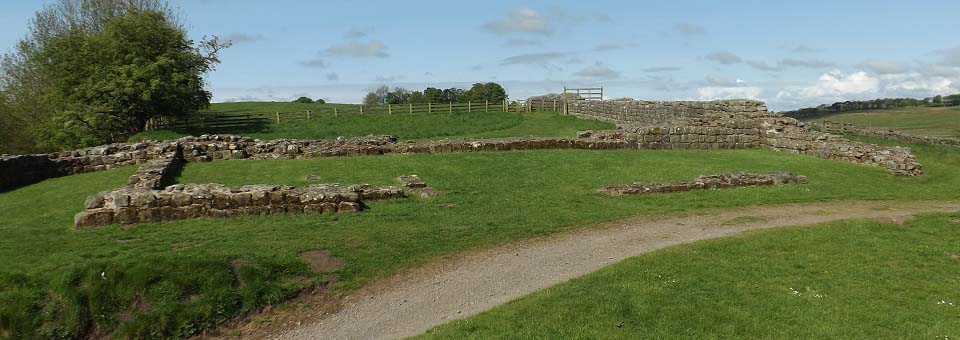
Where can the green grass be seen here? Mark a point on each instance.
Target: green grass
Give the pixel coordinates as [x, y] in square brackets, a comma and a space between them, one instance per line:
[925, 121]
[845, 280]
[172, 279]
[404, 126]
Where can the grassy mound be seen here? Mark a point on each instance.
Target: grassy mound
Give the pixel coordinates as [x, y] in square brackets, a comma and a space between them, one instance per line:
[173, 279]
[924, 121]
[858, 279]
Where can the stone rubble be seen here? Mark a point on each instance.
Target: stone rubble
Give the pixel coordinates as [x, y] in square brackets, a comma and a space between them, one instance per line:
[706, 182]
[417, 186]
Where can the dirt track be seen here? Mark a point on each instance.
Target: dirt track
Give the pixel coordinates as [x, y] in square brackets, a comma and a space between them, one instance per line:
[415, 301]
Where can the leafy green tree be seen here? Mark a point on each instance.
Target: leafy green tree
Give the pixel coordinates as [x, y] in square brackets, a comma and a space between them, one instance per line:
[416, 97]
[938, 100]
[319, 101]
[97, 71]
[303, 100]
[432, 95]
[480, 92]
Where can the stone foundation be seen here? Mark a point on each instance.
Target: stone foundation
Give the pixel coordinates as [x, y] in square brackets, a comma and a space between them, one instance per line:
[707, 182]
[738, 124]
[131, 205]
[417, 186]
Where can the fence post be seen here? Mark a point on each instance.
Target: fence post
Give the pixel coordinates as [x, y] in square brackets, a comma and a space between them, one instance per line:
[278, 117]
[486, 106]
[505, 108]
[410, 108]
[469, 106]
[389, 109]
[361, 108]
[429, 107]
[308, 114]
[451, 108]
[335, 112]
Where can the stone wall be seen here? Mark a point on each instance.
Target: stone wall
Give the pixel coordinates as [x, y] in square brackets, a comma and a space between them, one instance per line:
[706, 182]
[848, 128]
[17, 171]
[736, 124]
[131, 205]
[630, 111]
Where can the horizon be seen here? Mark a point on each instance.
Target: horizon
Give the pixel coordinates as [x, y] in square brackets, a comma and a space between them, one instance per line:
[787, 55]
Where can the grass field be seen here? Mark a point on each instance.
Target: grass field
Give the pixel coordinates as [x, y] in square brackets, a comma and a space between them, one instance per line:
[846, 280]
[404, 126]
[161, 280]
[925, 121]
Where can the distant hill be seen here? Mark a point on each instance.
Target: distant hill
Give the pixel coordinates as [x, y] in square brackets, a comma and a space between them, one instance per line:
[870, 105]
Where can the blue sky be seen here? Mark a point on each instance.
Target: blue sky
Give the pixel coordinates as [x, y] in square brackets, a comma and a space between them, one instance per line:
[790, 54]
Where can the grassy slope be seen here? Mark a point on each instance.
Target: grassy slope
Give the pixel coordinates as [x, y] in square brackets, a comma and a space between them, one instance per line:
[175, 278]
[929, 121]
[404, 126]
[846, 280]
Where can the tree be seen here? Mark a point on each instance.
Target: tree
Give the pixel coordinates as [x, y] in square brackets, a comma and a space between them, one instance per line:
[96, 71]
[432, 95]
[371, 99]
[319, 101]
[480, 92]
[938, 100]
[303, 100]
[398, 96]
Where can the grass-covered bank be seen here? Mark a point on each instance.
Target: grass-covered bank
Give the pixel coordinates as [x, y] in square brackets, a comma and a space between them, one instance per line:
[923, 121]
[405, 126]
[175, 278]
[844, 280]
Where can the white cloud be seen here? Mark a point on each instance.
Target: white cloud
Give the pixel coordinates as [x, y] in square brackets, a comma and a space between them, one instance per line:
[837, 85]
[729, 92]
[762, 65]
[598, 71]
[724, 57]
[884, 66]
[951, 56]
[544, 60]
[359, 49]
[521, 20]
[806, 49]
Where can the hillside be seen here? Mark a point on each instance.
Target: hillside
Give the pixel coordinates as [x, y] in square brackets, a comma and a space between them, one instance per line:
[928, 121]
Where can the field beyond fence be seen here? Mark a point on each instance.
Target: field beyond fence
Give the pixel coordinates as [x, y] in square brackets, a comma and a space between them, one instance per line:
[252, 118]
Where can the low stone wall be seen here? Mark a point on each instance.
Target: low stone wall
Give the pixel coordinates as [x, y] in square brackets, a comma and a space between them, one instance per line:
[17, 171]
[157, 173]
[848, 128]
[417, 186]
[131, 205]
[630, 111]
[707, 182]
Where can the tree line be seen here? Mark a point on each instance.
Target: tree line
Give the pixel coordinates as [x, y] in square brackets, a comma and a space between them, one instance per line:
[479, 92]
[91, 72]
[875, 104]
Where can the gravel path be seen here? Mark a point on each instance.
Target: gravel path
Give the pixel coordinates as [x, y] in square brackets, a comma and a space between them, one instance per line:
[413, 302]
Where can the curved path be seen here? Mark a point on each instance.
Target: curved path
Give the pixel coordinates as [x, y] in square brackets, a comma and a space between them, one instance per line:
[413, 302]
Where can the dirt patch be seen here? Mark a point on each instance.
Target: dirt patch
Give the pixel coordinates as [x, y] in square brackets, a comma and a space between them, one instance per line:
[955, 257]
[321, 261]
[312, 178]
[745, 220]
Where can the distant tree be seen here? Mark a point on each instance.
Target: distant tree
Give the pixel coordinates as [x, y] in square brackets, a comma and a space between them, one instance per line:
[938, 100]
[432, 95]
[303, 100]
[398, 96]
[492, 92]
[319, 101]
[416, 97]
[451, 95]
[371, 99]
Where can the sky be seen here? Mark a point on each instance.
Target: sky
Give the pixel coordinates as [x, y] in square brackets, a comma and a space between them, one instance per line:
[789, 54]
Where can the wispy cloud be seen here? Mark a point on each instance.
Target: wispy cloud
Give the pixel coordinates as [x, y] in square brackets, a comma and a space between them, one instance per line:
[356, 33]
[805, 49]
[689, 29]
[598, 71]
[884, 66]
[243, 38]
[315, 63]
[724, 57]
[523, 43]
[521, 20]
[658, 69]
[809, 63]
[332, 76]
[372, 49]
[532, 58]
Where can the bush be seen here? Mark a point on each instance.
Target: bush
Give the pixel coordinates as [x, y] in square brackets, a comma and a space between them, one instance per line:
[304, 100]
